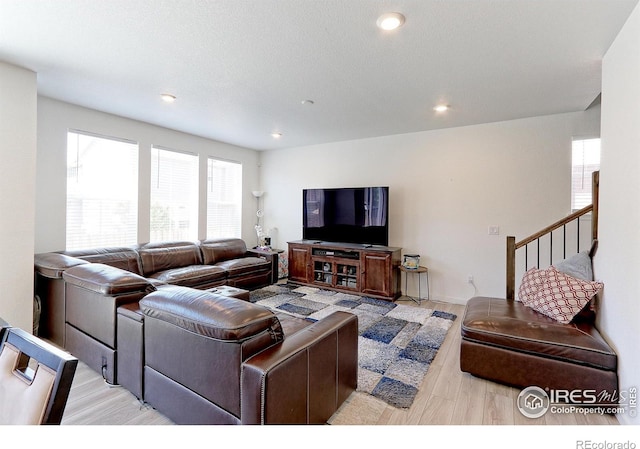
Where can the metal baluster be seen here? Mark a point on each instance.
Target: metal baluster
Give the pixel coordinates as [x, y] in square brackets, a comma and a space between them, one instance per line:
[564, 241]
[578, 233]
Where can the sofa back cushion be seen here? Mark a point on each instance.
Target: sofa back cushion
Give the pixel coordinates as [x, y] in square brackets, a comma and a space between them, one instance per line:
[156, 257]
[125, 258]
[219, 250]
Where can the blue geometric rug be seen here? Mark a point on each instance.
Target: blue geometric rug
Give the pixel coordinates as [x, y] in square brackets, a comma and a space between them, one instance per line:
[396, 342]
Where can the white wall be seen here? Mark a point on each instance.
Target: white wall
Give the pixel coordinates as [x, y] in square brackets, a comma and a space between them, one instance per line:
[446, 188]
[618, 260]
[18, 93]
[55, 118]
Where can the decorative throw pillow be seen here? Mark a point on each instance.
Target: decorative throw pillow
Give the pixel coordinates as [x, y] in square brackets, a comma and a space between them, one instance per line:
[561, 296]
[578, 266]
[531, 282]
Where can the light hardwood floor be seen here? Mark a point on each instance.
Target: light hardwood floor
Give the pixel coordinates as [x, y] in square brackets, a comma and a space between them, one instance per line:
[447, 396]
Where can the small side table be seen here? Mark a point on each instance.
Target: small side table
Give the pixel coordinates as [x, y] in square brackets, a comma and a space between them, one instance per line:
[419, 272]
[276, 257]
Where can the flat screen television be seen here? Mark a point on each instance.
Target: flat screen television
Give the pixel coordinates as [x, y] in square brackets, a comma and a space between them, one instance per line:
[346, 215]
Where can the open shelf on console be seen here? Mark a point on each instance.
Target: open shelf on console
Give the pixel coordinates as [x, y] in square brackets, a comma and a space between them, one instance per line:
[343, 254]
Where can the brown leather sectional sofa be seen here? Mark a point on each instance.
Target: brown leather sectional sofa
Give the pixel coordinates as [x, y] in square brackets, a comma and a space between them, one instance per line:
[143, 317]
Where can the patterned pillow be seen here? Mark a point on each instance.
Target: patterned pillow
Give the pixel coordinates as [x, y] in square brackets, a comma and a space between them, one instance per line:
[561, 296]
[531, 282]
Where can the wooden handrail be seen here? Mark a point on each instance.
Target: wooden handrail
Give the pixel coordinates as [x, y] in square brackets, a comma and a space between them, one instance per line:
[558, 224]
[512, 245]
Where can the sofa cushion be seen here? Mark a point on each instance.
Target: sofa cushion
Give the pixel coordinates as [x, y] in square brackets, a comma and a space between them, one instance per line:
[219, 250]
[513, 326]
[156, 257]
[211, 315]
[191, 276]
[561, 296]
[244, 265]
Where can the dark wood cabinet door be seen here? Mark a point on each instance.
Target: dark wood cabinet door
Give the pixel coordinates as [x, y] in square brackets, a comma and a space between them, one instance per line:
[299, 263]
[376, 274]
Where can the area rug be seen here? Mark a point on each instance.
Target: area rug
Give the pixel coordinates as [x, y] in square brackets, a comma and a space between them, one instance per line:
[396, 342]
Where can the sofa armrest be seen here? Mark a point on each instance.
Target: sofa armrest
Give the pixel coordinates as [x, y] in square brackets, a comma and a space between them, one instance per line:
[270, 256]
[266, 255]
[305, 378]
[106, 280]
[52, 265]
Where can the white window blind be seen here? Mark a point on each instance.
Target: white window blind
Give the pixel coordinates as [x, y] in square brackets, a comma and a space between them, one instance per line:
[585, 160]
[174, 195]
[102, 191]
[224, 199]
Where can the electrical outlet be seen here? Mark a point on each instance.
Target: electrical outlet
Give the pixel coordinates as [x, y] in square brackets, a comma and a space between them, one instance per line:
[470, 279]
[494, 230]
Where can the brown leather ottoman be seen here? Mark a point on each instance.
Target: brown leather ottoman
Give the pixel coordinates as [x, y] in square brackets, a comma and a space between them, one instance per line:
[507, 342]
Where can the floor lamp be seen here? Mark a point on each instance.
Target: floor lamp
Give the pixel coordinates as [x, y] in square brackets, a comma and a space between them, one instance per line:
[259, 213]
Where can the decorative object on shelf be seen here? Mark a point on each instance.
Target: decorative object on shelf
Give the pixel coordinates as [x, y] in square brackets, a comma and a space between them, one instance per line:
[411, 261]
[264, 241]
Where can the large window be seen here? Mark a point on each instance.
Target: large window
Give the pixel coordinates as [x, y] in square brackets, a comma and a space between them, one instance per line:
[174, 195]
[102, 191]
[224, 198]
[585, 160]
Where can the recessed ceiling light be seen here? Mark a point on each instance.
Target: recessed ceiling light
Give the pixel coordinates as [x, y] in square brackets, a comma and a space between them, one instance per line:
[168, 98]
[276, 135]
[390, 21]
[441, 108]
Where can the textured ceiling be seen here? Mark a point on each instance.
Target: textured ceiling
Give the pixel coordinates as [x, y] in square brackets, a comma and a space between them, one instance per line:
[241, 68]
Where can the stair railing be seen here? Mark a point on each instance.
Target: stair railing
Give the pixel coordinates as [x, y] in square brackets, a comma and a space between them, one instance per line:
[513, 246]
